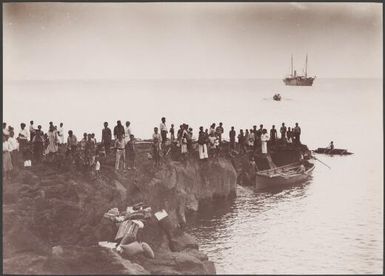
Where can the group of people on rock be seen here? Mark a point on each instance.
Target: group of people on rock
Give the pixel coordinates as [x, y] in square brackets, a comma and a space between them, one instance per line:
[34, 144]
[253, 137]
[210, 140]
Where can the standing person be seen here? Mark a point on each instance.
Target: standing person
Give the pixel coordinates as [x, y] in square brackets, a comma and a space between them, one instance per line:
[273, 134]
[118, 130]
[180, 135]
[212, 129]
[189, 135]
[127, 132]
[60, 134]
[163, 131]
[289, 136]
[32, 130]
[23, 144]
[120, 152]
[172, 133]
[5, 130]
[38, 144]
[156, 146]
[251, 140]
[131, 151]
[183, 148]
[297, 134]
[7, 160]
[241, 141]
[246, 139]
[106, 138]
[90, 150]
[71, 143]
[83, 142]
[202, 144]
[219, 131]
[331, 145]
[283, 132]
[232, 135]
[52, 141]
[264, 139]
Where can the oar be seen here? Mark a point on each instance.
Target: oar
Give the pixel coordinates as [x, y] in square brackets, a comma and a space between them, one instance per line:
[320, 161]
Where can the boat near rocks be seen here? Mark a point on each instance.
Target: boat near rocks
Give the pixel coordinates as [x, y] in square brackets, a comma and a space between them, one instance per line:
[332, 151]
[287, 175]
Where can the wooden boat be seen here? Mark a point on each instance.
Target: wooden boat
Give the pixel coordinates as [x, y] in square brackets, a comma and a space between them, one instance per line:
[277, 97]
[284, 176]
[332, 151]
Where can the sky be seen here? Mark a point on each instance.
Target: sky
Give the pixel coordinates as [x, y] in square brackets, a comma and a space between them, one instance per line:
[50, 41]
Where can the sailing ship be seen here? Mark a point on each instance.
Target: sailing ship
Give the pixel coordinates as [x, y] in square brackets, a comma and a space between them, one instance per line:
[297, 80]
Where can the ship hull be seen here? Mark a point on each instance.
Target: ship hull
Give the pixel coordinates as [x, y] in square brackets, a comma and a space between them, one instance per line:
[298, 81]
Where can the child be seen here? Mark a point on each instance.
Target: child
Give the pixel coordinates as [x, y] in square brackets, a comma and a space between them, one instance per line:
[97, 166]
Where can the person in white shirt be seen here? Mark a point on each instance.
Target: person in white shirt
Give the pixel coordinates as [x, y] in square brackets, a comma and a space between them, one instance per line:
[32, 130]
[127, 132]
[60, 134]
[156, 146]
[163, 130]
[23, 141]
[5, 130]
[264, 138]
[7, 160]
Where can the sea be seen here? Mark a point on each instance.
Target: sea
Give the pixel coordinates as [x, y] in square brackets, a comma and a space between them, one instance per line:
[331, 224]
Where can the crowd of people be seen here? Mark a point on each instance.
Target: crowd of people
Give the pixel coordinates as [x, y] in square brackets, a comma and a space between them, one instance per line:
[210, 140]
[33, 144]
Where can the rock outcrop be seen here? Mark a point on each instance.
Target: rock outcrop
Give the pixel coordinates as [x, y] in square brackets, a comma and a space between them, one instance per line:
[53, 219]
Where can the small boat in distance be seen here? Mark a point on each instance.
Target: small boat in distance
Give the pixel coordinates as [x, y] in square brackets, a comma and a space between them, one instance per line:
[332, 151]
[277, 97]
[297, 80]
[284, 176]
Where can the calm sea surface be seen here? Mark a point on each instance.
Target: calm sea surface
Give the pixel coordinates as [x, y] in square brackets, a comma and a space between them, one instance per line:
[332, 224]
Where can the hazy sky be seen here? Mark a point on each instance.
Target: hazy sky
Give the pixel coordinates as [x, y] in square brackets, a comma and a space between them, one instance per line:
[190, 40]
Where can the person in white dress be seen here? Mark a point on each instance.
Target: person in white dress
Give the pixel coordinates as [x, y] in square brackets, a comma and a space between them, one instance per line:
[60, 134]
[264, 138]
[127, 132]
[7, 160]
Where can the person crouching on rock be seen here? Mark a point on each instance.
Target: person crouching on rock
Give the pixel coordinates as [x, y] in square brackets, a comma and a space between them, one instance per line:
[120, 152]
[156, 146]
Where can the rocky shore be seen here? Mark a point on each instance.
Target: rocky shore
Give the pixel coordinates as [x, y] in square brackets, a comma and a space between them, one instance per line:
[53, 218]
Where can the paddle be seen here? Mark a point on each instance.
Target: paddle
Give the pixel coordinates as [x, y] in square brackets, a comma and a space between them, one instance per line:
[320, 161]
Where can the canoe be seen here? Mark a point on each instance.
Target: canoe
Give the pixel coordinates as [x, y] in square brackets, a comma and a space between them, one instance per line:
[333, 151]
[283, 176]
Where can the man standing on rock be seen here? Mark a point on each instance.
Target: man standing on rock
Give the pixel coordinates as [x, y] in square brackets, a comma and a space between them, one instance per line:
[232, 135]
[163, 131]
[202, 144]
[283, 132]
[156, 146]
[106, 138]
[273, 134]
[118, 130]
[297, 134]
[219, 131]
[120, 152]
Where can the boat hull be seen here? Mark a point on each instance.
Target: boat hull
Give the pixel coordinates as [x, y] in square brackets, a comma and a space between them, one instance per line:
[333, 151]
[266, 182]
[298, 81]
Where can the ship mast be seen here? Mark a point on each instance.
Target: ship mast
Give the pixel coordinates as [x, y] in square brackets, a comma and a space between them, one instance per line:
[306, 67]
[291, 65]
